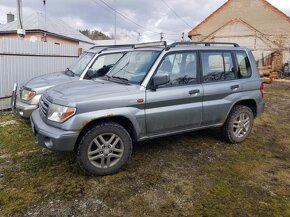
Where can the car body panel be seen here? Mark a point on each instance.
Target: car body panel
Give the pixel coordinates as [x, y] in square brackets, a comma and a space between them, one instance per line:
[49, 80]
[50, 137]
[172, 108]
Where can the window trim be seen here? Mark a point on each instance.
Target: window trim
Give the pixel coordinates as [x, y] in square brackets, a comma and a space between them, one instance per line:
[149, 84]
[217, 51]
[237, 64]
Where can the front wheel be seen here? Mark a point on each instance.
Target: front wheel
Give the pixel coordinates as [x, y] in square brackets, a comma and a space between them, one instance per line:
[104, 149]
[238, 125]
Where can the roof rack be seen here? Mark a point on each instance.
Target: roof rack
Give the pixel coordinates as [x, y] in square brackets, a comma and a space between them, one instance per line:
[204, 43]
[105, 48]
[151, 44]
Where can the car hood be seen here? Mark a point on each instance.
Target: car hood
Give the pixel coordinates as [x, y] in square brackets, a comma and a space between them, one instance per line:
[85, 90]
[43, 82]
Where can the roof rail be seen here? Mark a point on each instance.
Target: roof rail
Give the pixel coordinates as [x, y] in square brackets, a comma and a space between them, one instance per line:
[105, 48]
[204, 43]
[112, 46]
[151, 44]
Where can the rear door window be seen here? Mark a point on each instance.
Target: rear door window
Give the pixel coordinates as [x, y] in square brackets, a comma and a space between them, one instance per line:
[217, 66]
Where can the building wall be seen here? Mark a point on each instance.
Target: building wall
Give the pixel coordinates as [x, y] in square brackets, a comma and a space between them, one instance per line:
[251, 23]
[246, 36]
[258, 13]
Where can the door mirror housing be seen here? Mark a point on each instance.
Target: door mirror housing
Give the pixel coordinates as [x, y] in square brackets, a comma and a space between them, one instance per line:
[90, 73]
[160, 80]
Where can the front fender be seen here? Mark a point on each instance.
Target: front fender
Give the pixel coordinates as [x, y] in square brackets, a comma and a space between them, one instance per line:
[135, 115]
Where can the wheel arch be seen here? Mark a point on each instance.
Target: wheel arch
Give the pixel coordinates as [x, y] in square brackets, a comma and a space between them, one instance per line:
[123, 121]
[250, 103]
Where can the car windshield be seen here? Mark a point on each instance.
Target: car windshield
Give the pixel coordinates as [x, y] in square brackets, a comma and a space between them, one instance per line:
[79, 66]
[134, 66]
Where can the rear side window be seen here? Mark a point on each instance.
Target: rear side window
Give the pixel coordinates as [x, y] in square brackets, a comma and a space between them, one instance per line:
[244, 67]
[217, 66]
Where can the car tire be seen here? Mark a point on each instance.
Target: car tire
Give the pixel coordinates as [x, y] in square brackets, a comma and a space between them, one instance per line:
[104, 149]
[238, 125]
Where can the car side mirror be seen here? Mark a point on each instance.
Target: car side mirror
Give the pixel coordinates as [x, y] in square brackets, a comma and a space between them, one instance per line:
[160, 80]
[90, 73]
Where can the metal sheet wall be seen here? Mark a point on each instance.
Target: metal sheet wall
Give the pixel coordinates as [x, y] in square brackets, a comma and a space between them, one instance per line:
[21, 60]
[16, 46]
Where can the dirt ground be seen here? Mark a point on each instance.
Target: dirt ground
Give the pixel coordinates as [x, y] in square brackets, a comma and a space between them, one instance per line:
[194, 174]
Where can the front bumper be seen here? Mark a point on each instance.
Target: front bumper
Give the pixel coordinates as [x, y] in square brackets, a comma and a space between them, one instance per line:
[23, 109]
[50, 137]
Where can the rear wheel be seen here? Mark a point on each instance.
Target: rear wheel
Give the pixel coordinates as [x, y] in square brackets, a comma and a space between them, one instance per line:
[104, 149]
[239, 124]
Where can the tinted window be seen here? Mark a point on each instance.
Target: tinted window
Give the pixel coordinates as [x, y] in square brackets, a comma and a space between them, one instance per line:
[244, 67]
[181, 68]
[217, 66]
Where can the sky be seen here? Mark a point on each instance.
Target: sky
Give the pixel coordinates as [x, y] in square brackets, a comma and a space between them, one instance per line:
[145, 17]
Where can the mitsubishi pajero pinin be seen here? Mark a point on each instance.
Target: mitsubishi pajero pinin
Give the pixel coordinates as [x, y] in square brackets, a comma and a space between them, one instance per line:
[154, 90]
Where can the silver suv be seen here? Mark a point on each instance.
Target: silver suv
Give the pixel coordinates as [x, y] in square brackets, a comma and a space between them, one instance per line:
[95, 62]
[153, 91]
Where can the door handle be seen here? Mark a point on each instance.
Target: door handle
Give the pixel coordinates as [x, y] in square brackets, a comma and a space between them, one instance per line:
[234, 87]
[191, 92]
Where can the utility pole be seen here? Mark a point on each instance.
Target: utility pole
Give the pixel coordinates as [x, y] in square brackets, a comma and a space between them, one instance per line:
[44, 5]
[20, 30]
[115, 28]
[161, 36]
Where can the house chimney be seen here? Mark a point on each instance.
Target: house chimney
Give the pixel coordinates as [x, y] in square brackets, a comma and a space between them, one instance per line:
[10, 17]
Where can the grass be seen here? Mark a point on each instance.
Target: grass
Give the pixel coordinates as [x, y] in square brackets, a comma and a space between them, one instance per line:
[194, 174]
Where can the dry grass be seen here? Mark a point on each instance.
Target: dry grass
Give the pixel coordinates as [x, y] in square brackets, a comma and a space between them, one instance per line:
[194, 174]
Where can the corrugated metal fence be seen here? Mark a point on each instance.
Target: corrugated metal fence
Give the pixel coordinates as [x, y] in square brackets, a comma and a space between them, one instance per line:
[22, 60]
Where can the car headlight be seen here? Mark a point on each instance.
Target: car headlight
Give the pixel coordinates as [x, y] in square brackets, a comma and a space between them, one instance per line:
[60, 113]
[27, 95]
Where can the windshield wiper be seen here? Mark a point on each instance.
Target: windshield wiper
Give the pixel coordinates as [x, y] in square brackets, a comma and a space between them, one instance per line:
[124, 80]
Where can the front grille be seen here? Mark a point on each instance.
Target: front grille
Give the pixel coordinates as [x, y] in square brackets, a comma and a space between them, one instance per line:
[43, 106]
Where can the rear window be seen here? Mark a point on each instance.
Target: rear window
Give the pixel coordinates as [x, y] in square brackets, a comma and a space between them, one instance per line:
[244, 66]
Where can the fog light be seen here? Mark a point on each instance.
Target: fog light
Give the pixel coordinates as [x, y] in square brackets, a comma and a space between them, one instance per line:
[21, 113]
